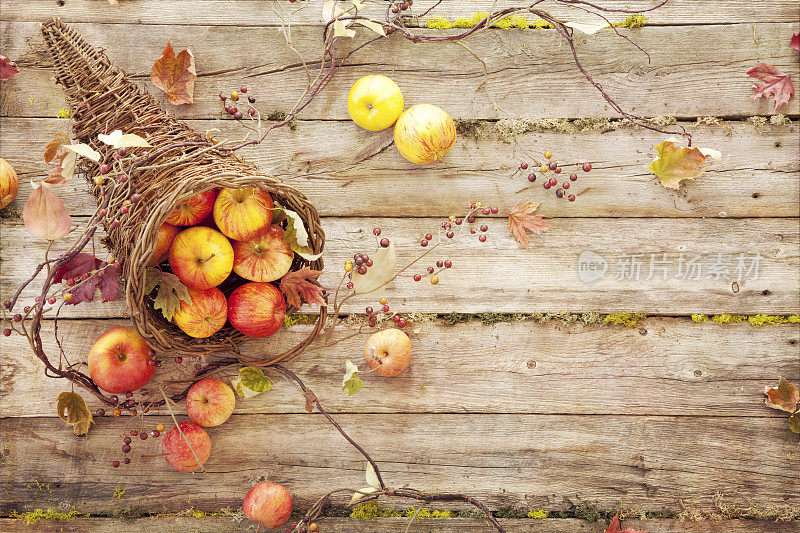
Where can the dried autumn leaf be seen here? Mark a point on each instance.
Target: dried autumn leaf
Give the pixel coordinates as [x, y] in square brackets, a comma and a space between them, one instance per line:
[677, 163]
[374, 26]
[52, 147]
[588, 29]
[250, 382]
[521, 219]
[8, 68]
[84, 150]
[351, 382]
[795, 41]
[44, 214]
[171, 291]
[295, 234]
[175, 75]
[117, 139]
[613, 527]
[362, 493]
[794, 422]
[297, 286]
[72, 409]
[65, 169]
[777, 84]
[105, 278]
[784, 397]
[372, 476]
[378, 275]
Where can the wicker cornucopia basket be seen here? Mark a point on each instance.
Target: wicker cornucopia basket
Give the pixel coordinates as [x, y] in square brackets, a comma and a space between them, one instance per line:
[179, 165]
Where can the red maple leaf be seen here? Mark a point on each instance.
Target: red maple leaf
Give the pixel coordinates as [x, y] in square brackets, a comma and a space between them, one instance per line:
[79, 268]
[7, 68]
[521, 219]
[777, 84]
[613, 527]
[175, 75]
[795, 41]
[298, 284]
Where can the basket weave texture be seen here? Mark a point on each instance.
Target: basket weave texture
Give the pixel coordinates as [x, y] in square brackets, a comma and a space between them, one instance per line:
[102, 99]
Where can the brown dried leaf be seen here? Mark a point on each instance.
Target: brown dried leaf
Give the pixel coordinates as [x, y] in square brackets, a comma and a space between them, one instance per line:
[72, 409]
[677, 163]
[784, 397]
[44, 214]
[521, 219]
[52, 148]
[175, 75]
[297, 284]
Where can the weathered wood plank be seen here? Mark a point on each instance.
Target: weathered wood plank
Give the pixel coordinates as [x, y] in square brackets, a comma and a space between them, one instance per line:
[353, 172]
[518, 461]
[666, 366]
[169, 524]
[531, 73]
[501, 276]
[258, 12]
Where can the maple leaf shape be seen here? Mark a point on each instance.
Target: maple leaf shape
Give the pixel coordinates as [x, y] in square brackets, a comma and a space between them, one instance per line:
[8, 68]
[521, 219]
[175, 75]
[784, 397]
[297, 284]
[777, 84]
[106, 278]
[677, 163]
[171, 291]
[613, 527]
[795, 41]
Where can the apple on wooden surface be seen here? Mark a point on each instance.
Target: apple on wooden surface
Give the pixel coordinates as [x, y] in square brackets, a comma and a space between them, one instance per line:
[9, 183]
[263, 257]
[268, 504]
[120, 361]
[388, 352]
[192, 210]
[374, 102]
[204, 314]
[201, 257]
[210, 402]
[257, 309]
[424, 133]
[243, 212]
[165, 234]
[178, 453]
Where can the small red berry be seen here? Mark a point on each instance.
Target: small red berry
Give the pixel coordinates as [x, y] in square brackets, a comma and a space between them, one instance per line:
[428, 237]
[448, 264]
[143, 435]
[471, 219]
[424, 243]
[350, 285]
[394, 10]
[124, 209]
[155, 433]
[430, 270]
[486, 211]
[152, 362]
[376, 231]
[573, 177]
[26, 309]
[178, 360]
[458, 221]
[523, 165]
[440, 263]
[531, 177]
[129, 394]
[126, 448]
[495, 210]
[51, 300]
[103, 212]
[122, 178]
[417, 277]
[557, 170]
[122, 152]
[18, 318]
[243, 89]
[565, 185]
[114, 399]
[571, 198]
[369, 262]
[362, 270]
[127, 460]
[401, 324]
[359, 261]
[450, 234]
[385, 308]
[389, 31]
[222, 96]
[135, 198]
[127, 440]
[482, 238]
[115, 464]
[384, 242]
[7, 332]
[587, 167]
[251, 112]
[238, 115]
[7, 304]
[104, 169]
[473, 231]
[552, 165]
[553, 182]
[484, 228]
[251, 99]
[369, 310]
[560, 193]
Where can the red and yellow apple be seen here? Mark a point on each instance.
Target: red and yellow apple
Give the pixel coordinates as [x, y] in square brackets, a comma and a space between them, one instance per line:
[263, 257]
[210, 402]
[121, 361]
[268, 504]
[204, 314]
[257, 309]
[178, 453]
[165, 234]
[201, 257]
[374, 102]
[9, 183]
[424, 133]
[388, 352]
[243, 212]
[192, 210]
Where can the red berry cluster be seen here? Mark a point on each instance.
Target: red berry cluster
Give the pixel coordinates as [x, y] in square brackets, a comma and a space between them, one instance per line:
[128, 440]
[361, 262]
[305, 526]
[552, 166]
[372, 315]
[232, 109]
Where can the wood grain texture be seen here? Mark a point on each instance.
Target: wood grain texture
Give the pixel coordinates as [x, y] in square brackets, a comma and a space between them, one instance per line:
[259, 12]
[518, 461]
[665, 366]
[168, 524]
[531, 73]
[501, 276]
[353, 172]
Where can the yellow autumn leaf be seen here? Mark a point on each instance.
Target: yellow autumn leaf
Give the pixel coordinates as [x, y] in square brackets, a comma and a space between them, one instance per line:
[677, 163]
[73, 410]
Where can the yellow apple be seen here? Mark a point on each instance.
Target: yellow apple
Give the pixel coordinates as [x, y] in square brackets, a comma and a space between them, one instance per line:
[9, 183]
[375, 102]
[204, 314]
[201, 257]
[243, 212]
[424, 133]
[388, 352]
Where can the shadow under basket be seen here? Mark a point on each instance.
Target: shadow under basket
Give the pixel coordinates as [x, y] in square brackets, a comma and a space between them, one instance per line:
[179, 164]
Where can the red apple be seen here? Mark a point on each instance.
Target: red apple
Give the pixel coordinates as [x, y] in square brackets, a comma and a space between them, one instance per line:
[243, 212]
[210, 402]
[388, 352]
[201, 257]
[257, 309]
[268, 505]
[165, 234]
[121, 361]
[178, 453]
[264, 257]
[204, 314]
[192, 210]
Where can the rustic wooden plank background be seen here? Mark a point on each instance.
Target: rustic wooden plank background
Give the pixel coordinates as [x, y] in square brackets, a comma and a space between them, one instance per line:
[525, 414]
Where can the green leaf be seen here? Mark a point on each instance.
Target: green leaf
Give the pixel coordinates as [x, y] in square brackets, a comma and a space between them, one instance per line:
[250, 382]
[296, 235]
[384, 262]
[351, 382]
[794, 422]
[73, 410]
[171, 292]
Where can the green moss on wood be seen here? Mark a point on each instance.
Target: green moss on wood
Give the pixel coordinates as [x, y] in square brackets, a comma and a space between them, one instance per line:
[637, 20]
[372, 510]
[32, 517]
[513, 21]
[753, 320]
[291, 320]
